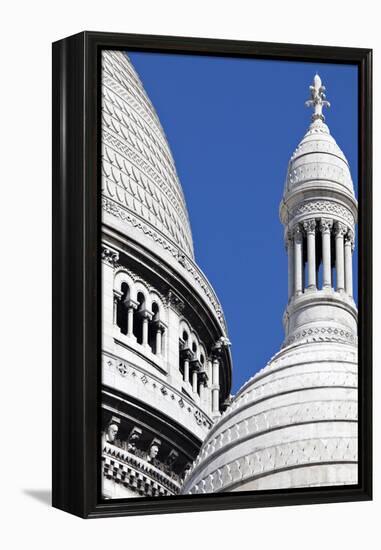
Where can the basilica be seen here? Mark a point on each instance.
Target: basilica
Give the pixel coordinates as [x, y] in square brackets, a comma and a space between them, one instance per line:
[169, 422]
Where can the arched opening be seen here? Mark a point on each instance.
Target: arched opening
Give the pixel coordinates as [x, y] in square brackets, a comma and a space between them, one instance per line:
[183, 345]
[138, 319]
[194, 347]
[152, 328]
[121, 309]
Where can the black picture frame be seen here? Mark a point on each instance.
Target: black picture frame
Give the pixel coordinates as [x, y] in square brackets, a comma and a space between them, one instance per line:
[76, 273]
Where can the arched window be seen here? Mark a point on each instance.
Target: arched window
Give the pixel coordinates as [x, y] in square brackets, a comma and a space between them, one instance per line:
[152, 328]
[138, 320]
[155, 311]
[194, 347]
[121, 311]
[183, 346]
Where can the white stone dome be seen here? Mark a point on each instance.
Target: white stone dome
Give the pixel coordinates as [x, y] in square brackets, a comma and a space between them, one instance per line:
[294, 424]
[317, 162]
[140, 186]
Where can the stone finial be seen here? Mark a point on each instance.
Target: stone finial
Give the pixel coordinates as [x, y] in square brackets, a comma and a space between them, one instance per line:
[318, 99]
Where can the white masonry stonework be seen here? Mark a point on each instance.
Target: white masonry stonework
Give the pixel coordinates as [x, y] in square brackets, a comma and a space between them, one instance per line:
[166, 365]
[294, 424]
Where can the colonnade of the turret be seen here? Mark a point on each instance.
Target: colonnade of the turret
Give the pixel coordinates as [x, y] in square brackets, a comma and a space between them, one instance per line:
[319, 242]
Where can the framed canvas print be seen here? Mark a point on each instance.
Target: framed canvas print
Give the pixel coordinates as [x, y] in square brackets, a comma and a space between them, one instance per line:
[212, 274]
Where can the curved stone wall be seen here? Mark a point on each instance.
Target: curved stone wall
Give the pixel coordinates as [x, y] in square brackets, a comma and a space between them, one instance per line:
[297, 415]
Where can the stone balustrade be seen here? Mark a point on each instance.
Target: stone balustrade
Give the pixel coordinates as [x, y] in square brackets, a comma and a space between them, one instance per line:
[136, 473]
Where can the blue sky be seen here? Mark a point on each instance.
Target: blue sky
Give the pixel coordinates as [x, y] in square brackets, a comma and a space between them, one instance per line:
[232, 125]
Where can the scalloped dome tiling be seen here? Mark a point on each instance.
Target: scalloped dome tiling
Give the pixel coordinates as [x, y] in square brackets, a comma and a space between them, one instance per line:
[288, 426]
[139, 178]
[318, 160]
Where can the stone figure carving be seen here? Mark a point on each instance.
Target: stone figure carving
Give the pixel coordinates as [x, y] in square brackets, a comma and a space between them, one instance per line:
[154, 450]
[133, 438]
[111, 431]
[171, 458]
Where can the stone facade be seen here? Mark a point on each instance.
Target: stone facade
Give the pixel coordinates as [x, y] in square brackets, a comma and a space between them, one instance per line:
[166, 365]
[294, 424]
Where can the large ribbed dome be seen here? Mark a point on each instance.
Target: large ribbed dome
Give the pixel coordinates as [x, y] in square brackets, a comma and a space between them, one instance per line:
[294, 424]
[139, 180]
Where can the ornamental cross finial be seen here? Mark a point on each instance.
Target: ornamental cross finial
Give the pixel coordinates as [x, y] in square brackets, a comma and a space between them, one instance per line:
[318, 99]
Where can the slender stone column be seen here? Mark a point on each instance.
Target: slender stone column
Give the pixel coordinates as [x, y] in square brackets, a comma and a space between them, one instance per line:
[348, 248]
[158, 340]
[117, 296]
[298, 260]
[130, 321]
[194, 381]
[325, 228]
[164, 343]
[290, 253]
[145, 331]
[209, 384]
[131, 305]
[340, 230]
[186, 370]
[147, 315]
[215, 386]
[202, 392]
[309, 227]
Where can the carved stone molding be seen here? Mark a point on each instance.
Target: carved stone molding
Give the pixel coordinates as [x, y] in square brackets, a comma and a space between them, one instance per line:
[309, 226]
[321, 334]
[350, 238]
[297, 233]
[324, 207]
[284, 416]
[340, 229]
[109, 256]
[137, 473]
[175, 302]
[162, 390]
[325, 225]
[273, 459]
